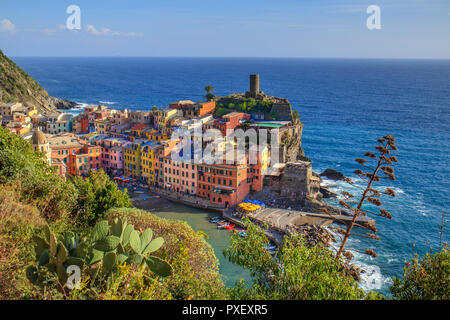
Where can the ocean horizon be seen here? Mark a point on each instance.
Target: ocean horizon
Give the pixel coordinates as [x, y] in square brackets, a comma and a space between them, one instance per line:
[345, 105]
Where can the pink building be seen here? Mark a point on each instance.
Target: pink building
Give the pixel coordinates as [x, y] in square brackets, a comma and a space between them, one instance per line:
[112, 154]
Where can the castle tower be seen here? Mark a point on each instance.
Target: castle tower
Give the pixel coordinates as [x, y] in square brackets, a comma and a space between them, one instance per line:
[41, 144]
[254, 84]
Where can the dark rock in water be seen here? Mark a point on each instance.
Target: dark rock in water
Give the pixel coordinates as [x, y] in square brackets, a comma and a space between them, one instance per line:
[327, 193]
[62, 104]
[332, 174]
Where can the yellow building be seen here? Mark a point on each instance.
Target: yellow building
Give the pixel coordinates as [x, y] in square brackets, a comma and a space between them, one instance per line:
[132, 158]
[147, 162]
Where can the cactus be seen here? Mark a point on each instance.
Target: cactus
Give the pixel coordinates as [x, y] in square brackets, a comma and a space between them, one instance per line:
[55, 256]
[108, 246]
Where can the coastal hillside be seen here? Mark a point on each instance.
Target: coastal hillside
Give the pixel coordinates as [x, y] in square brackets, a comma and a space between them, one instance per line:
[17, 86]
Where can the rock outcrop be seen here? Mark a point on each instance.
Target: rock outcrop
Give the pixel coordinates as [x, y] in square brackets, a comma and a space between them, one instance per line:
[17, 86]
[332, 174]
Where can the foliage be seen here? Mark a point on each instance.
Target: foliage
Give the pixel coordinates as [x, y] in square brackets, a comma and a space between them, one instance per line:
[17, 86]
[19, 223]
[209, 95]
[296, 116]
[36, 182]
[381, 169]
[424, 279]
[295, 272]
[96, 195]
[195, 267]
[98, 256]
[244, 105]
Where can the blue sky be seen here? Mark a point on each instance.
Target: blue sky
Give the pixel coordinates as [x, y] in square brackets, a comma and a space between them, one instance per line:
[227, 28]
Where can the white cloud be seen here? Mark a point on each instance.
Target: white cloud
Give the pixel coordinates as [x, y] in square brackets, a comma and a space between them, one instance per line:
[108, 32]
[7, 26]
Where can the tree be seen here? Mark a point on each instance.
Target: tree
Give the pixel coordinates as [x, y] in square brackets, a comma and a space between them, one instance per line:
[30, 175]
[209, 96]
[209, 88]
[296, 272]
[383, 163]
[154, 108]
[96, 195]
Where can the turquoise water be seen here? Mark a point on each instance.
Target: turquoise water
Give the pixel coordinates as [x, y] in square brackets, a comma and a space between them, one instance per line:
[219, 239]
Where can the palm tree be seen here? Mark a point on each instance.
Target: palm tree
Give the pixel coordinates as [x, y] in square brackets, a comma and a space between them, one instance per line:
[209, 96]
[209, 88]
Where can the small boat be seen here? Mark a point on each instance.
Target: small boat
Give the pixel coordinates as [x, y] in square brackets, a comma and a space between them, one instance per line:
[229, 227]
[239, 230]
[215, 218]
[222, 222]
[223, 226]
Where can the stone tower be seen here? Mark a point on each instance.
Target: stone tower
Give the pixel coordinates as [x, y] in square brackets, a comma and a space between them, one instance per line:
[254, 85]
[41, 144]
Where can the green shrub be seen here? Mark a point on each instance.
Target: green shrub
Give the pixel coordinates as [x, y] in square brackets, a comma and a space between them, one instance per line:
[36, 182]
[296, 272]
[424, 279]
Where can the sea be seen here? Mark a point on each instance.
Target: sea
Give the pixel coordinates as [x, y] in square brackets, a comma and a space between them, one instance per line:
[345, 105]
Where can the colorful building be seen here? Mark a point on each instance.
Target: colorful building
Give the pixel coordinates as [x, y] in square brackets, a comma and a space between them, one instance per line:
[79, 156]
[147, 162]
[132, 164]
[231, 121]
[112, 154]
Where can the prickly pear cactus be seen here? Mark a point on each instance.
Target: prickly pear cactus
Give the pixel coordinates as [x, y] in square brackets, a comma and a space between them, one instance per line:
[109, 245]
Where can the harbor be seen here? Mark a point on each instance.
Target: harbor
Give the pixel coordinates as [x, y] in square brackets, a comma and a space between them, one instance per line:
[280, 222]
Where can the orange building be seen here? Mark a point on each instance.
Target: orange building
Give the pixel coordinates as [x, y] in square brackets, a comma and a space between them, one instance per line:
[192, 110]
[228, 184]
[78, 156]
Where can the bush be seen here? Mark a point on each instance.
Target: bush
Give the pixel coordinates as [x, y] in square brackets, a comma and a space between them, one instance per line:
[195, 267]
[19, 223]
[424, 279]
[296, 272]
[35, 181]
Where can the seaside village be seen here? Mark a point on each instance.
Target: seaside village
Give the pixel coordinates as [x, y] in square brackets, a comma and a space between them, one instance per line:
[134, 148]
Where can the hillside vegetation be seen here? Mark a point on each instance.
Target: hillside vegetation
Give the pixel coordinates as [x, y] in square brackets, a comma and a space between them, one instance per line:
[35, 201]
[17, 86]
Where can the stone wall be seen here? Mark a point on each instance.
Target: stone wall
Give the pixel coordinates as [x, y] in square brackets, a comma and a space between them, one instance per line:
[281, 111]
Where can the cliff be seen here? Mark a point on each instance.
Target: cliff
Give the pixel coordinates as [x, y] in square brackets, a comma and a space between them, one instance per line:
[17, 86]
